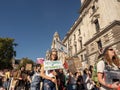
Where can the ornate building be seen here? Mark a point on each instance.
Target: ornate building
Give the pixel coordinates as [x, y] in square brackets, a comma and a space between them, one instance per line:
[97, 26]
[61, 55]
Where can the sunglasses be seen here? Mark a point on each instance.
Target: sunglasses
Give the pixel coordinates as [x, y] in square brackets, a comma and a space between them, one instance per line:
[110, 49]
[54, 54]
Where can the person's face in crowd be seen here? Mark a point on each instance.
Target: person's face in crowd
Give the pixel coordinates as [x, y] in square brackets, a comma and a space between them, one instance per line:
[54, 55]
[87, 71]
[22, 68]
[61, 71]
[38, 69]
[71, 73]
[111, 52]
[79, 73]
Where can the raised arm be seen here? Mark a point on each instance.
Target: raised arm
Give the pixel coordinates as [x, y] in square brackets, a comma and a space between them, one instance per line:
[43, 75]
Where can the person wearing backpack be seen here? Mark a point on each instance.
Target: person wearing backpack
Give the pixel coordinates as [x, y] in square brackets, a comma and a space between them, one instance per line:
[94, 74]
[108, 59]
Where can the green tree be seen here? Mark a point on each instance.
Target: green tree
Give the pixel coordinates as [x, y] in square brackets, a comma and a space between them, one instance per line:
[25, 61]
[7, 52]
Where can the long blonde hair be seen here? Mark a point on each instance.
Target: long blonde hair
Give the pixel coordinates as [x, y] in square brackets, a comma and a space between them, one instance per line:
[53, 50]
[114, 59]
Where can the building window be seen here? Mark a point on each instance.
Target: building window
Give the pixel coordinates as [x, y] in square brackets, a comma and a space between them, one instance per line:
[80, 43]
[81, 57]
[93, 8]
[97, 26]
[92, 47]
[74, 37]
[85, 56]
[99, 44]
[70, 50]
[106, 38]
[79, 32]
[69, 41]
[75, 48]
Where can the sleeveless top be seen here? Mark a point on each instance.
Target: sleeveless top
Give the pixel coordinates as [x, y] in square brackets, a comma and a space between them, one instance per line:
[36, 79]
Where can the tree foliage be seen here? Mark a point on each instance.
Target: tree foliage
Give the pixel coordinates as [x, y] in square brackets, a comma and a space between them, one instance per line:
[25, 61]
[7, 52]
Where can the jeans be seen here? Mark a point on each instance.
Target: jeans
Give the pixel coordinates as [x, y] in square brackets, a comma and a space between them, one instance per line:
[49, 85]
[71, 87]
[34, 88]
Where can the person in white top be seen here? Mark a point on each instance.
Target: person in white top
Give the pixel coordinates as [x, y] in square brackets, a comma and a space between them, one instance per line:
[89, 84]
[50, 81]
[109, 58]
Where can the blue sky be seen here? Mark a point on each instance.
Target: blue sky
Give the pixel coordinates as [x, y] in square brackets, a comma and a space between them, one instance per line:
[32, 23]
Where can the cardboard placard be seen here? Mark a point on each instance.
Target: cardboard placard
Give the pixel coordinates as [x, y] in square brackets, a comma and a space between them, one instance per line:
[51, 65]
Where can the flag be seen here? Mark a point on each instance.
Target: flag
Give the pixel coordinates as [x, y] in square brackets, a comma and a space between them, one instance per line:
[61, 47]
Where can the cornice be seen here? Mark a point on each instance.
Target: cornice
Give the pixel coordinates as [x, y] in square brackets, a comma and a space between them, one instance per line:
[72, 29]
[85, 4]
[102, 31]
[84, 49]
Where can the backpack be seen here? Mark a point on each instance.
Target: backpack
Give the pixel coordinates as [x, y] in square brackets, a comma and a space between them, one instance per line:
[94, 73]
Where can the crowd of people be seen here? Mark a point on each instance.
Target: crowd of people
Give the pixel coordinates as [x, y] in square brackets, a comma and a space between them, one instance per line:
[62, 79]
[32, 80]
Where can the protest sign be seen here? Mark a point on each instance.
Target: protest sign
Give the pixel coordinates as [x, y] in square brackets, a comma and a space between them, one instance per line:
[40, 60]
[74, 64]
[51, 65]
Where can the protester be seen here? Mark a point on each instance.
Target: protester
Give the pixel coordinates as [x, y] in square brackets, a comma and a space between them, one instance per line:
[6, 79]
[90, 70]
[50, 81]
[108, 59]
[1, 80]
[22, 78]
[88, 83]
[67, 79]
[36, 79]
[79, 82]
[72, 82]
[61, 77]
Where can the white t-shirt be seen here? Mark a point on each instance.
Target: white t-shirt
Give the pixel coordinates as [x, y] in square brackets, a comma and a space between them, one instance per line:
[101, 68]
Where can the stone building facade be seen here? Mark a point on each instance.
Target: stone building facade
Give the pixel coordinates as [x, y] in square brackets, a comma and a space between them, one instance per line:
[97, 26]
[61, 55]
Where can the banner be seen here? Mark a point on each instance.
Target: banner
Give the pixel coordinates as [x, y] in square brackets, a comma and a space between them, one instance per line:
[61, 47]
[74, 64]
[51, 65]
